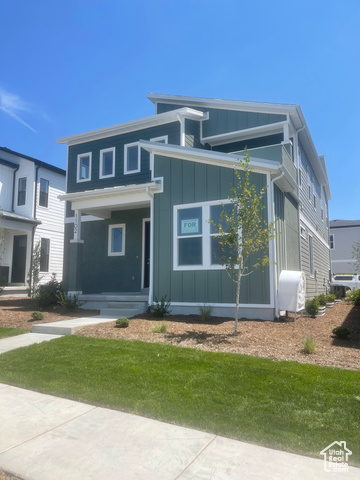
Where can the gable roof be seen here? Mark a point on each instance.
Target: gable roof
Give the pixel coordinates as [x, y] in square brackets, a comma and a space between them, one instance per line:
[37, 162]
[344, 223]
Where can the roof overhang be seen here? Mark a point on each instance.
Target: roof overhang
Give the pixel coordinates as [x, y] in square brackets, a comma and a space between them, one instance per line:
[101, 202]
[146, 122]
[18, 218]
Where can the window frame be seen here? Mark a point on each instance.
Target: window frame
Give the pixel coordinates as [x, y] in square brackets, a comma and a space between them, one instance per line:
[47, 193]
[78, 168]
[311, 256]
[105, 150]
[159, 139]
[110, 252]
[22, 192]
[206, 236]
[138, 169]
[48, 255]
[332, 241]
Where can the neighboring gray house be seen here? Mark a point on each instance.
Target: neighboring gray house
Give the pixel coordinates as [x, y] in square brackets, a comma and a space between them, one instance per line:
[30, 213]
[343, 235]
[140, 196]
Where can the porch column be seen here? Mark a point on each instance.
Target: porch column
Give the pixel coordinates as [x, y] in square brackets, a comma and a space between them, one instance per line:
[75, 256]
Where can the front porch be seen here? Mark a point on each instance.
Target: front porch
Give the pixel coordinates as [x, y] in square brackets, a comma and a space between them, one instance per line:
[117, 304]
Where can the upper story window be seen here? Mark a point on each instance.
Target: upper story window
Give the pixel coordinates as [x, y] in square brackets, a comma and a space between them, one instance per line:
[107, 163]
[196, 241]
[131, 158]
[84, 167]
[332, 242]
[44, 254]
[163, 139]
[21, 191]
[44, 193]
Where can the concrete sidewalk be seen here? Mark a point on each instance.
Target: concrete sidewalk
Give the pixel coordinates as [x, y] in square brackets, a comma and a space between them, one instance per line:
[49, 438]
[24, 340]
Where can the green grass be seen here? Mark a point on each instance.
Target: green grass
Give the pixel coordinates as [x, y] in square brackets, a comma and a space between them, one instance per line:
[285, 405]
[11, 332]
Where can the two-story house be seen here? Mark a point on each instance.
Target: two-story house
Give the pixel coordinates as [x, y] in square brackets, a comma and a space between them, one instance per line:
[31, 214]
[140, 196]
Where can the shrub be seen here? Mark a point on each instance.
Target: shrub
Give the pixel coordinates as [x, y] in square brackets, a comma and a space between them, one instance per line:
[122, 322]
[205, 312]
[341, 332]
[46, 295]
[312, 307]
[309, 345]
[349, 296]
[357, 297]
[322, 299]
[162, 328]
[69, 302]
[160, 308]
[331, 298]
[37, 316]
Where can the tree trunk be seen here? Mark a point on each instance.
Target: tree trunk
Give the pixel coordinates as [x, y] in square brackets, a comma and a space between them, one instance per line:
[237, 301]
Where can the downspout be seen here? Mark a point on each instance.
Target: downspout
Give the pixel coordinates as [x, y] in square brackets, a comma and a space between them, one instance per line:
[33, 228]
[182, 130]
[272, 181]
[151, 273]
[13, 195]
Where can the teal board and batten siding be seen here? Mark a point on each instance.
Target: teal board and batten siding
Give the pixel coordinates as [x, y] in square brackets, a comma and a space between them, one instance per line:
[184, 183]
[98, 271]
[225, 121]
[117, 141]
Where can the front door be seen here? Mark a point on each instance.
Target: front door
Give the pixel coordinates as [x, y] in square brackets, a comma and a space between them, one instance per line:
[146, 254]
[19, 259]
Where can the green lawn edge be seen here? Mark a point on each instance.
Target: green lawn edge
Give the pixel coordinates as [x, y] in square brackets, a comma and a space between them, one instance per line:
[289, 406]
[11, 332]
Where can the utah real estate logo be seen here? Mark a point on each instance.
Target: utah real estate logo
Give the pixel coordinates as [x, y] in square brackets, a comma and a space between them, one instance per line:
[336, 457]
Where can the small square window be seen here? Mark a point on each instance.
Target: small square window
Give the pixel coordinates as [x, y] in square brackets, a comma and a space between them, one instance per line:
[132, 158]
[84, 167]
[116, 244]
[44, 193]
[22, 191]
[107, 163]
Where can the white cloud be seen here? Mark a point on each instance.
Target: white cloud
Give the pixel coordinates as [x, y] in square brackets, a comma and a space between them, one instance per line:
[12, 105]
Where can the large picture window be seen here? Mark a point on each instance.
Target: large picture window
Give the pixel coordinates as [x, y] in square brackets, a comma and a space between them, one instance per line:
[107, 163]
[84, 167]
[116, 242]
[131, 158]
[196, 241]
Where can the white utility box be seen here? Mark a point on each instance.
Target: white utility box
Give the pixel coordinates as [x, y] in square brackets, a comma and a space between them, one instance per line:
[291, 291]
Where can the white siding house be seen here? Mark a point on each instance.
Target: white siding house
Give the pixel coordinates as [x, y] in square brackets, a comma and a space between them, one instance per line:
[343, 235]
[31, 214]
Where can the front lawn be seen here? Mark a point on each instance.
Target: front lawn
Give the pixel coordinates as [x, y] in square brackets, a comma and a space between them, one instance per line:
[284, 405]
[11, 332]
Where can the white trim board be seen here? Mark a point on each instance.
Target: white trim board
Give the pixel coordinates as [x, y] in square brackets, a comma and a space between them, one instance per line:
[313, 231]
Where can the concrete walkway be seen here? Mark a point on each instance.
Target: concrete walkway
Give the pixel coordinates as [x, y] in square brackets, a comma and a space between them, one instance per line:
[49, 438]
[11, 343]
[68, 327]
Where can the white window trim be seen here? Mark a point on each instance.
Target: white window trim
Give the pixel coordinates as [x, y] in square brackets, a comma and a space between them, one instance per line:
[42, 206]
[78, 179]
[126, 171]
[159, 139]
[112, 149]
[116, 254]
[311, 273]
[206, 236]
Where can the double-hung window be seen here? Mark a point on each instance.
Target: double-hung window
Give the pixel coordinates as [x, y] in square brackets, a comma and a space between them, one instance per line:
[84, 167]
[44, 254]
[311, 256]
[116, 241]
[107, 163]
[44, 193]
[21, 191]
[131, 158]
[196, 238]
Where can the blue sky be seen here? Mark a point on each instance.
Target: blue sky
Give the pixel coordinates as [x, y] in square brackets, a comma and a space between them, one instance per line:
[73, 66]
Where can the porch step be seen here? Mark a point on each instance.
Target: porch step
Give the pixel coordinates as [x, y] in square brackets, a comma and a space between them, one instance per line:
[14, 290]
[120, 312]
[116, 304]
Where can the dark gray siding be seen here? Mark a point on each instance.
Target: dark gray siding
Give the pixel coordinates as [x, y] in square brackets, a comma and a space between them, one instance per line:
[100, 272]
[192, 134]
[292, 233]
[189, 182]
[251, 143]
[118, 141]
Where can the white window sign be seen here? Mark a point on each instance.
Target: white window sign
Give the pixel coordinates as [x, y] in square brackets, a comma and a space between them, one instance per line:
[190, 226]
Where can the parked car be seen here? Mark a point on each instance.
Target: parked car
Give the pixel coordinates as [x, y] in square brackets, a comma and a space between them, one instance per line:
[344, 282]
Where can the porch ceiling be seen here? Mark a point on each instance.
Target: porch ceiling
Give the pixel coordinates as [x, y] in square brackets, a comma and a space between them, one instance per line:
[102, 202]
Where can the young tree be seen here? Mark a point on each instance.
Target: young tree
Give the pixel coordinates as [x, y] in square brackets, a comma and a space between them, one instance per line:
[33, 277]
[356, 255]
[244, 232]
